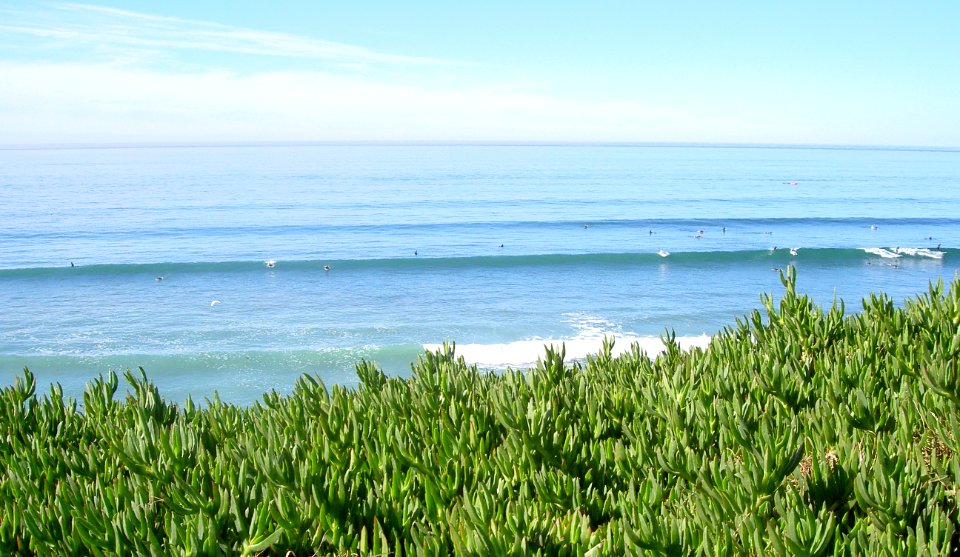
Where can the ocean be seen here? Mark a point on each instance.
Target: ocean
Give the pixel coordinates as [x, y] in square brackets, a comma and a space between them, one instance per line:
[237, 269]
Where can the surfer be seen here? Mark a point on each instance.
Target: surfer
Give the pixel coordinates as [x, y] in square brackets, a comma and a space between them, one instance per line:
[326, 268]
[270, 263]
[159, 278]
[71, 264]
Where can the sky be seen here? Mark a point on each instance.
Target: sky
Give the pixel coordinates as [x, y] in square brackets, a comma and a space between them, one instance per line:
[854, 72]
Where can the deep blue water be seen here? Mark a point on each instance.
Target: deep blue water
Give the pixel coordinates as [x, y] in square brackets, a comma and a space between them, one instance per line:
[498, 248]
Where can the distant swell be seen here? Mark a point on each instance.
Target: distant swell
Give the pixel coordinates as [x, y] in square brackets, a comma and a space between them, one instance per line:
[445, 226]
[832, 256]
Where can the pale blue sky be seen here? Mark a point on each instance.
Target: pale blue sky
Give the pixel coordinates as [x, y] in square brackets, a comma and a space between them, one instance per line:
[815, 72]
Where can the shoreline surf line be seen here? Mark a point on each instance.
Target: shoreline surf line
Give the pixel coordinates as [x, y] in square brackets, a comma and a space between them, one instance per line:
[526, 353]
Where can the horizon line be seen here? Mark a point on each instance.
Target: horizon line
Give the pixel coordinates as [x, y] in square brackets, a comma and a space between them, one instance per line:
[459, 143]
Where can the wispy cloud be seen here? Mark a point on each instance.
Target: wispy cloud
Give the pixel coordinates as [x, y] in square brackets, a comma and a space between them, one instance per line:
[86, 103]
[99, 74]
[99, 26]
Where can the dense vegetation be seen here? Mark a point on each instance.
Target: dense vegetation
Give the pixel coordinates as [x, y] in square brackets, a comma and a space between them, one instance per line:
[801, 432]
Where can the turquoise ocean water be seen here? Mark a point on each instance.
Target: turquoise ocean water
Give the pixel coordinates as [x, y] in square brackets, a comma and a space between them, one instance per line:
[499, 248]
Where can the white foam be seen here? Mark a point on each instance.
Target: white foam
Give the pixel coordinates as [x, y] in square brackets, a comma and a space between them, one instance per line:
[920, 252]
[592, 326]
[900, 252]
[882, 253]
[525, 353]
